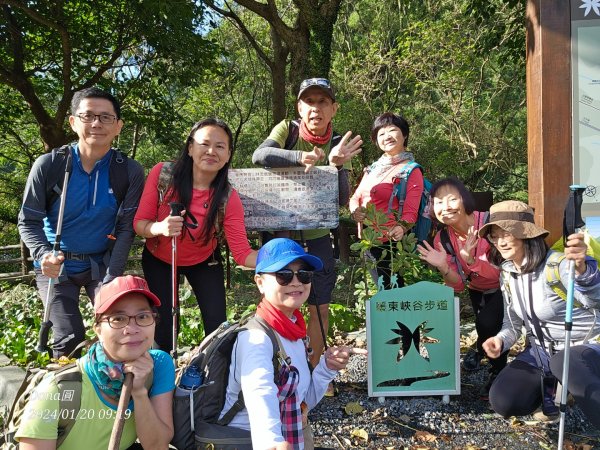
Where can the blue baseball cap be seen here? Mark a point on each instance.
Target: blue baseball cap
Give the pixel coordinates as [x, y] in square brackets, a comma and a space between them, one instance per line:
[279, 252]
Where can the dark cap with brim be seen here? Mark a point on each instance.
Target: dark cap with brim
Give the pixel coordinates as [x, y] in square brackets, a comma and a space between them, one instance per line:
[321, 83]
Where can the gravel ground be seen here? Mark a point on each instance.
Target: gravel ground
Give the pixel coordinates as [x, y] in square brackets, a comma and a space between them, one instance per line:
[466, 422]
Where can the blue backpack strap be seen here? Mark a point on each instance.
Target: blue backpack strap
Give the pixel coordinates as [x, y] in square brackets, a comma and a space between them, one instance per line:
[399, 189]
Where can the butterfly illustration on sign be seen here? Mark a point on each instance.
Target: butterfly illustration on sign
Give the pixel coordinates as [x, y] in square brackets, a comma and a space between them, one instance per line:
[590, 5]
[407, 338]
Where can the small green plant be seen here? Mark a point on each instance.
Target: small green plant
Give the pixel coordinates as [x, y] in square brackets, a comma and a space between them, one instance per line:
[403, 255]
[21, 314]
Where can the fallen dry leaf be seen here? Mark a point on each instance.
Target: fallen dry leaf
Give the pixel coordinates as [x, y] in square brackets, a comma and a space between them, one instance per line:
[353, 408]
[360, 433]
[425, 436]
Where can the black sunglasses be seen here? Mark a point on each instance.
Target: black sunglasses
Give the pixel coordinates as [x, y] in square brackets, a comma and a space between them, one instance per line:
[285, 276]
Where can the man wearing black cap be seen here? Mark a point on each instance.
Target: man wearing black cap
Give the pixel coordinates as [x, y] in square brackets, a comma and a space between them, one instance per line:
[308, 142]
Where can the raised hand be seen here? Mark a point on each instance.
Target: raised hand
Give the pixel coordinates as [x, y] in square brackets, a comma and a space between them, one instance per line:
[310, 159]
[468, 250]
[345, 150]
[434, 256]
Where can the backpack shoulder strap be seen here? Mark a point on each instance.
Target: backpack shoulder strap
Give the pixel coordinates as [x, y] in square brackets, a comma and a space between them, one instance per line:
[56, 174]
[335, 139]
[118, 175]
[256, 323]
[220, 219]
[164, 179]
[69, 382]
[446, 244]
[293, 133]
[400, 182]
[552, 274]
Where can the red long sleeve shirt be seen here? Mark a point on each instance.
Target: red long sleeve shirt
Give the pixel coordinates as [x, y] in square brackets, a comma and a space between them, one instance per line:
[193, 252]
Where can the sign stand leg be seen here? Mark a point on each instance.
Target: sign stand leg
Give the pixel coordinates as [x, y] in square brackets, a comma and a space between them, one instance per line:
[381, 400]
[445, 399]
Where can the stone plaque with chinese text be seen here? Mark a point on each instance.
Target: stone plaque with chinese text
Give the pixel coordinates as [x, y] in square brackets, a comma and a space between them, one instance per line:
[288, 198]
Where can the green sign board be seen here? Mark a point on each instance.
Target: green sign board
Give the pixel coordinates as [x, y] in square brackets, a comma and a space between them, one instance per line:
[413, 341]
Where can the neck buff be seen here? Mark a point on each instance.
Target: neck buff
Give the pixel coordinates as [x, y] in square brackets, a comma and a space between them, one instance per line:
[311, 138]
[280, 322]
[384, 163]
[108, 376]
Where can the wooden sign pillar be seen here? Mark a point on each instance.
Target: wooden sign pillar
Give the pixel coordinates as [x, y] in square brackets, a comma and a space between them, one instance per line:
[549, 111]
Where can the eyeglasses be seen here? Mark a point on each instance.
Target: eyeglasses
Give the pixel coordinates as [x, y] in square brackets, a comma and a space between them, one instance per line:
[117, 321]
[324, 82]
[505, 236]
[89, 118]
[285, 276]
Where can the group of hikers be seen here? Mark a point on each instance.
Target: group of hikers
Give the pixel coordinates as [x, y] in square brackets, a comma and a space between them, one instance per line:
[500, 257]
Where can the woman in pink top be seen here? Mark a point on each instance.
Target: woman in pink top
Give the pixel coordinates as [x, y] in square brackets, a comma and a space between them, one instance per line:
[462, 259]
[199, 182]
[390, 133]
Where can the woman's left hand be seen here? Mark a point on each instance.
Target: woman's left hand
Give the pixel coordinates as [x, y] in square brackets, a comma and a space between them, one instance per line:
[336, 358]
[468, 251]
[141, 368]
[575, 250]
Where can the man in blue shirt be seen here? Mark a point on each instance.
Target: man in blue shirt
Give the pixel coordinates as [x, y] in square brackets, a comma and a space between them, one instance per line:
[97, 231]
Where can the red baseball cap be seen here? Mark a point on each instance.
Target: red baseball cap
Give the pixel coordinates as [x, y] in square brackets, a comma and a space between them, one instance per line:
[111, 292]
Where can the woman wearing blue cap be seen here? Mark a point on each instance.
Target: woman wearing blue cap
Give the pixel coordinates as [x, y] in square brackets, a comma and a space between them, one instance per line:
[277, 404]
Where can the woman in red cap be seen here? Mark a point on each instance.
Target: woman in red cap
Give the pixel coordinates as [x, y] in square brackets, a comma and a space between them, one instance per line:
[124, 325]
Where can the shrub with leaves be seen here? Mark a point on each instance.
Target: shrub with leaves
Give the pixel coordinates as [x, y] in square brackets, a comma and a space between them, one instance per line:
[404, 258]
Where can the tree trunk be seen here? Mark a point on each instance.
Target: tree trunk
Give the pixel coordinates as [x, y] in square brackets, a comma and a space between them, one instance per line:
[280, 54]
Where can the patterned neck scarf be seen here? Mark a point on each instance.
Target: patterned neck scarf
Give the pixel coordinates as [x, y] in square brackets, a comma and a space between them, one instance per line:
[307, 136]
[104, 373]
[385, 163]
[290, 411]
[281, 323]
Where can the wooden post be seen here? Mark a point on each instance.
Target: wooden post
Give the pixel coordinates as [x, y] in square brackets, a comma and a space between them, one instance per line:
[549, 111]
[24, 256]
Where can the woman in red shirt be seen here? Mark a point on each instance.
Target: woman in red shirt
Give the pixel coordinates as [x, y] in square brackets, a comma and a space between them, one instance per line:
[390, 133]
[199, 182]
[463, 262]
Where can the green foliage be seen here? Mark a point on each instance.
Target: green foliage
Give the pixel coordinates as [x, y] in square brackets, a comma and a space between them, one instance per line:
[404, 258]
[21, 316]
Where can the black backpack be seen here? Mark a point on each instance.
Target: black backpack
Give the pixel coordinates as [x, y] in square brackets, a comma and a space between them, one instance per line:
[118, 175]
[213, 359]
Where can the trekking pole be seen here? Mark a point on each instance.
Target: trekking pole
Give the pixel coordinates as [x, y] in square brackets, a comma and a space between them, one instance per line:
[42, 345]
[176, 209]
[572, 222]
[117, 430]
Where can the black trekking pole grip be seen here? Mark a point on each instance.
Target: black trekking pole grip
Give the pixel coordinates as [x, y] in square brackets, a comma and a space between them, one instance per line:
[176, 208]
[42, 345]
